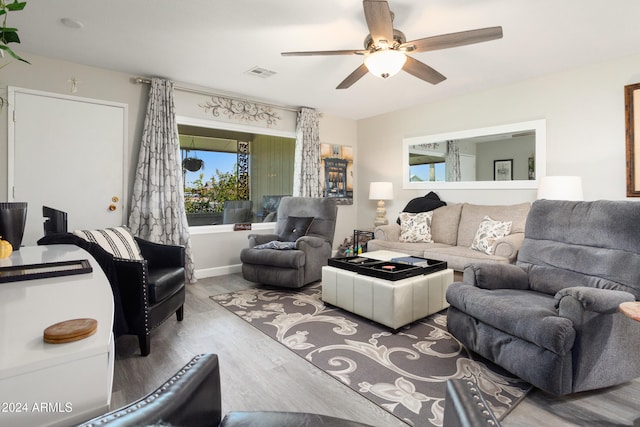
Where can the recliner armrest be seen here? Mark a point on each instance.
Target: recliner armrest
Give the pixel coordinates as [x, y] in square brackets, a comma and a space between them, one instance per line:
[597, 300]
[495, 276]
[191, 397]
[161, 255]
[312, 241]
[388, 232]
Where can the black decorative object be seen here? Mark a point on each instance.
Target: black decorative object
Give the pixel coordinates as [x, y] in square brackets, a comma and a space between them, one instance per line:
[13, 218]
[16, 273]
[192, 164]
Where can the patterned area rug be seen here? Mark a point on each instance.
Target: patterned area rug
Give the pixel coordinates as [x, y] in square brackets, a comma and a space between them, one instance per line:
[404, 373]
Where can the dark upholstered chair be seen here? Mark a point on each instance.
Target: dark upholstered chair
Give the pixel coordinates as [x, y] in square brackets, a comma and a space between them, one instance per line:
[237, 211]
[305, 228]
[192, 398]
[553, 319]
[146, 292]
[464, 406]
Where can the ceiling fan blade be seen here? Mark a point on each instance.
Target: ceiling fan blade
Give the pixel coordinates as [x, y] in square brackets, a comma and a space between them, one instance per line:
[353, 77]
[326, 52]
[379, 20]
[422, 71]
[446, 41]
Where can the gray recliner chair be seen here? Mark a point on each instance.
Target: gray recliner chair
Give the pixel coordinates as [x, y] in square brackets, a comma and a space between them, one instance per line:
[553, 318]
[293, 256]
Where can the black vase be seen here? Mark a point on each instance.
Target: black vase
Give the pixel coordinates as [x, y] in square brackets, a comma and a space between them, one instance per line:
[13, 218]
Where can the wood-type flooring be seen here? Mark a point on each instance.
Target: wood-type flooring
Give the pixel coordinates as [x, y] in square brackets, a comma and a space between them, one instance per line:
[258, 373]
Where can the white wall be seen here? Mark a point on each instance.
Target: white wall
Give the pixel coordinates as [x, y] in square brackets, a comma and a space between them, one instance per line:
[214, 253]
[584, 109]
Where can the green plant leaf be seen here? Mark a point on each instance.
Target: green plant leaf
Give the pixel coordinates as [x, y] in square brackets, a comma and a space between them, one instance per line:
[12, 53]
[16, 5]
[9, 35]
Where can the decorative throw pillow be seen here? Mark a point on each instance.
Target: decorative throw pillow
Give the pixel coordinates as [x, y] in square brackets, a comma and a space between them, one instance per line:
[426, 203]
[488, 232]
[275, 244]
[416, 227]
[118, 241]
[294, 228]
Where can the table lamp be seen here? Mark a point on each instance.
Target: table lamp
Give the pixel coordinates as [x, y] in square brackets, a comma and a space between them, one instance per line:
[381, 191]
[560, 188]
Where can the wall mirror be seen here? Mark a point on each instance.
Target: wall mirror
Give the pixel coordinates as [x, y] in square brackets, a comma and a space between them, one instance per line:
[511, 156]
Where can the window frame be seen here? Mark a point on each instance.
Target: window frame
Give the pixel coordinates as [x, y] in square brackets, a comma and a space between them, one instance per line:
[215, 124]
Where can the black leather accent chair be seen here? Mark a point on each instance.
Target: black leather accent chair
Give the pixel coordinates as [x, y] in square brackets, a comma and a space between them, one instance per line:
[464, 406]
[160, 291]
[192, 398]
[146, 292]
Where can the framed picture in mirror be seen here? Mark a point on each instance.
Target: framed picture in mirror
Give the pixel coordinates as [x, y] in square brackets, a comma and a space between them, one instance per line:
[503, 170]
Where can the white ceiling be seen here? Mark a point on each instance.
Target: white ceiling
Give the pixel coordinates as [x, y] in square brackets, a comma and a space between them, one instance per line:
[212, 43]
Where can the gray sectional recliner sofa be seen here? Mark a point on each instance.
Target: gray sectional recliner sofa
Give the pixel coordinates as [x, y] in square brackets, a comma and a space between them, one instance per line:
[453, 228]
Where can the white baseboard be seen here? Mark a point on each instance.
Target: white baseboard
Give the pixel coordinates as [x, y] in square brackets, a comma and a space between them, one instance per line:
[218, 271]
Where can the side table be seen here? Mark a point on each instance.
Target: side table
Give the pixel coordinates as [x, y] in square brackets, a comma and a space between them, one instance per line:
[631, 309]
[360, 238]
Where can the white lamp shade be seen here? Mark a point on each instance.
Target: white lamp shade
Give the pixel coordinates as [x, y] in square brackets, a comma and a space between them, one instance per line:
[381, 191]
[560, 188]
[385, 63]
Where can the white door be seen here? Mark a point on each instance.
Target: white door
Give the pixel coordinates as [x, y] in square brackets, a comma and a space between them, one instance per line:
[67, 153]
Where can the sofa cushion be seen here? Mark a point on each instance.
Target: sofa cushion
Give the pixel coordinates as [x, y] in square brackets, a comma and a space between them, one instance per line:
[456, 257]
[118, 241]
[528, 315]
[425, 203]
[295, 228]
[471, 216]
[445, 222]
[488, 232]
[164, 282]
[415, 227]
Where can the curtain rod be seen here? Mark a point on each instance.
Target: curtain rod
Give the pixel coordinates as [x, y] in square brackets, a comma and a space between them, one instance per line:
[145, 80]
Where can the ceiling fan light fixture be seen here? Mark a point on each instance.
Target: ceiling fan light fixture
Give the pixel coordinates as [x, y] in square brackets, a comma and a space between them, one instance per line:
[385, 63]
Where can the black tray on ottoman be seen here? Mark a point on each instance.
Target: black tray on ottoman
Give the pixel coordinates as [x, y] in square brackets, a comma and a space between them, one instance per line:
[428, 265]
[389, 270]
[351, 263]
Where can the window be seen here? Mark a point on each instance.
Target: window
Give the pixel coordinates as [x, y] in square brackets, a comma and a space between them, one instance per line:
[234, 177]
[427, 167]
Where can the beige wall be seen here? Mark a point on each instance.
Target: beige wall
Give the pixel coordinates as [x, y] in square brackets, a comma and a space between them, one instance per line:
[584, 110]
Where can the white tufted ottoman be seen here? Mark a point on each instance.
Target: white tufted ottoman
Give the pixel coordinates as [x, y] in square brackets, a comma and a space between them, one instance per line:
[391, 303]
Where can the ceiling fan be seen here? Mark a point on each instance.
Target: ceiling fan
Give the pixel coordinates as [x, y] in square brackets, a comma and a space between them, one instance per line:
[385, 48]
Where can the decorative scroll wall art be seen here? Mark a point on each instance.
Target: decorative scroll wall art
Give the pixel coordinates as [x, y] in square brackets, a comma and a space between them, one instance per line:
[631, 105]
[336, 177]
[242, 110]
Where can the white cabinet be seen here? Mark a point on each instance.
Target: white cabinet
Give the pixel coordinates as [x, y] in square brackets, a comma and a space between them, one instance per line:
[44, 384]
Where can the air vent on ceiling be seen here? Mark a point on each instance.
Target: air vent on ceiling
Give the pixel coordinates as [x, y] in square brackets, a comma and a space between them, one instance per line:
[260, 72]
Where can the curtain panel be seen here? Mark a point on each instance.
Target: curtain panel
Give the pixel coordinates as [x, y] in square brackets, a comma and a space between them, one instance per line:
[306, 176]
[157, 211]
[452, 162]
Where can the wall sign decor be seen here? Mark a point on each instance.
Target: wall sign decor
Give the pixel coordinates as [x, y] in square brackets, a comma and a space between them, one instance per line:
[503, 170]
[632, 121]
[240, 110]
[336, 174]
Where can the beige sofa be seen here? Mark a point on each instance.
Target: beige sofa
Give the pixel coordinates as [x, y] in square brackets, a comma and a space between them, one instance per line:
[453, 229]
